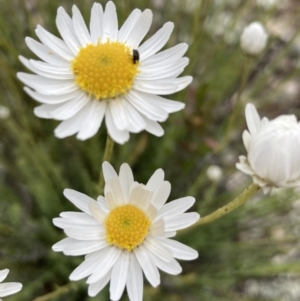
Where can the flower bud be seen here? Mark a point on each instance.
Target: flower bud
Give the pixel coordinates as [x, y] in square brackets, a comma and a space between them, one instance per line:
[214, 173]
[4, 112]
[254, 39]
[273, 148]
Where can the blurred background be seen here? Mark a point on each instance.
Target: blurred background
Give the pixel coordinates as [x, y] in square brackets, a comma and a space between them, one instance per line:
[251, 254]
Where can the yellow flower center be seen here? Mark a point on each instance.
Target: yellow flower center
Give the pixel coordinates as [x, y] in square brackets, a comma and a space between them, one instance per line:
[105, 70]
[126, 227]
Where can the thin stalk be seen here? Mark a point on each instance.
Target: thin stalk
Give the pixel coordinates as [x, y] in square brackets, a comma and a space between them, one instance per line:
[237, 202]
[236, 110]
[59, 291]
[106, 157]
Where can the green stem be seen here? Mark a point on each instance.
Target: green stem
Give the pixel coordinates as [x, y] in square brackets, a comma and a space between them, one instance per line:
[59, 291]
[238, 201]
[236, 110]
[106, 157]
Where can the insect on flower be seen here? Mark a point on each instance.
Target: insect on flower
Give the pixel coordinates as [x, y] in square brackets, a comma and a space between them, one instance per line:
[135, 56]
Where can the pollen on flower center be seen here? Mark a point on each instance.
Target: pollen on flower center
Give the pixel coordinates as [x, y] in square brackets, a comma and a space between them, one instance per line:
[126, 227]
[105, 70]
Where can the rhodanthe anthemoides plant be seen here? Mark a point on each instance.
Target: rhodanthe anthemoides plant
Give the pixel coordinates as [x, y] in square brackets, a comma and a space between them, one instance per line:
[105, 72]
[126, 233]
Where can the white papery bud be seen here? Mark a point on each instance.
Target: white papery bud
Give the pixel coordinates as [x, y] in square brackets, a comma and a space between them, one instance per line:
[254, 38]
[273, 148]
[214, 173]
[4, 112]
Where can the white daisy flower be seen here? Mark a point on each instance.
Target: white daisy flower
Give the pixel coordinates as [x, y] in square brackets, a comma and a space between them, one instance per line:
[273, 148]
[103, 71]
[126, 233]
[9, 288]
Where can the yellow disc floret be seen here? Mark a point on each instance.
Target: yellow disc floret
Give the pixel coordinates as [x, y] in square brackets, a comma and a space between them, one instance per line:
[126, 227]
[105, 70]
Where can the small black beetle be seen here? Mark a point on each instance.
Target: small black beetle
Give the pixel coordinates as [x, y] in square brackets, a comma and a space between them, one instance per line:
[135, 56]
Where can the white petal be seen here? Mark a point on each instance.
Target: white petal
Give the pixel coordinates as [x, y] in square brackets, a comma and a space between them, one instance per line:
[65, 27]
[156, 42]
[155, 247]
[120, 136]
[71, 225]
[120, 118]
[51, 99]
[110, 200]
[161, 194]
[140, 101]
[172, 267]
[140, 29]
[77, 248]
[85, 233]
[114, 187]
[70, 108]
[180, 250]
[93, 120]
[108, 171]
[9, 288]
[87, 267]
[244, 166]
[109, 258]
[126, 178]
[78, 230]
[45, 53]
[59, 246]
[47, 70]
[264, 121]
[128, 25]
[151, 212]
[156, 179]
[96, 287]
[168, 234]
[157, 228]
[110, 22]
[162, 71]
[135, 281]
[80, 28]
[54, 43]
[97, 212]
[180, 221]
[136, 122]
[72, 125]
[79, 199]
[3, 274]
[140, 196]
[44, 111]
[247, 139]
[168, 55]
[176, 207]
[148, 266]
[102, 203]
[84, 218]
[252, 118]
[153, 127]
[96, 23]
[45, 85]
[119, 276]
[163, 86]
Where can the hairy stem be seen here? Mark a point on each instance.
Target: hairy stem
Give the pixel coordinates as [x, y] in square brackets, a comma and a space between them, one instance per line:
[238, 201]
